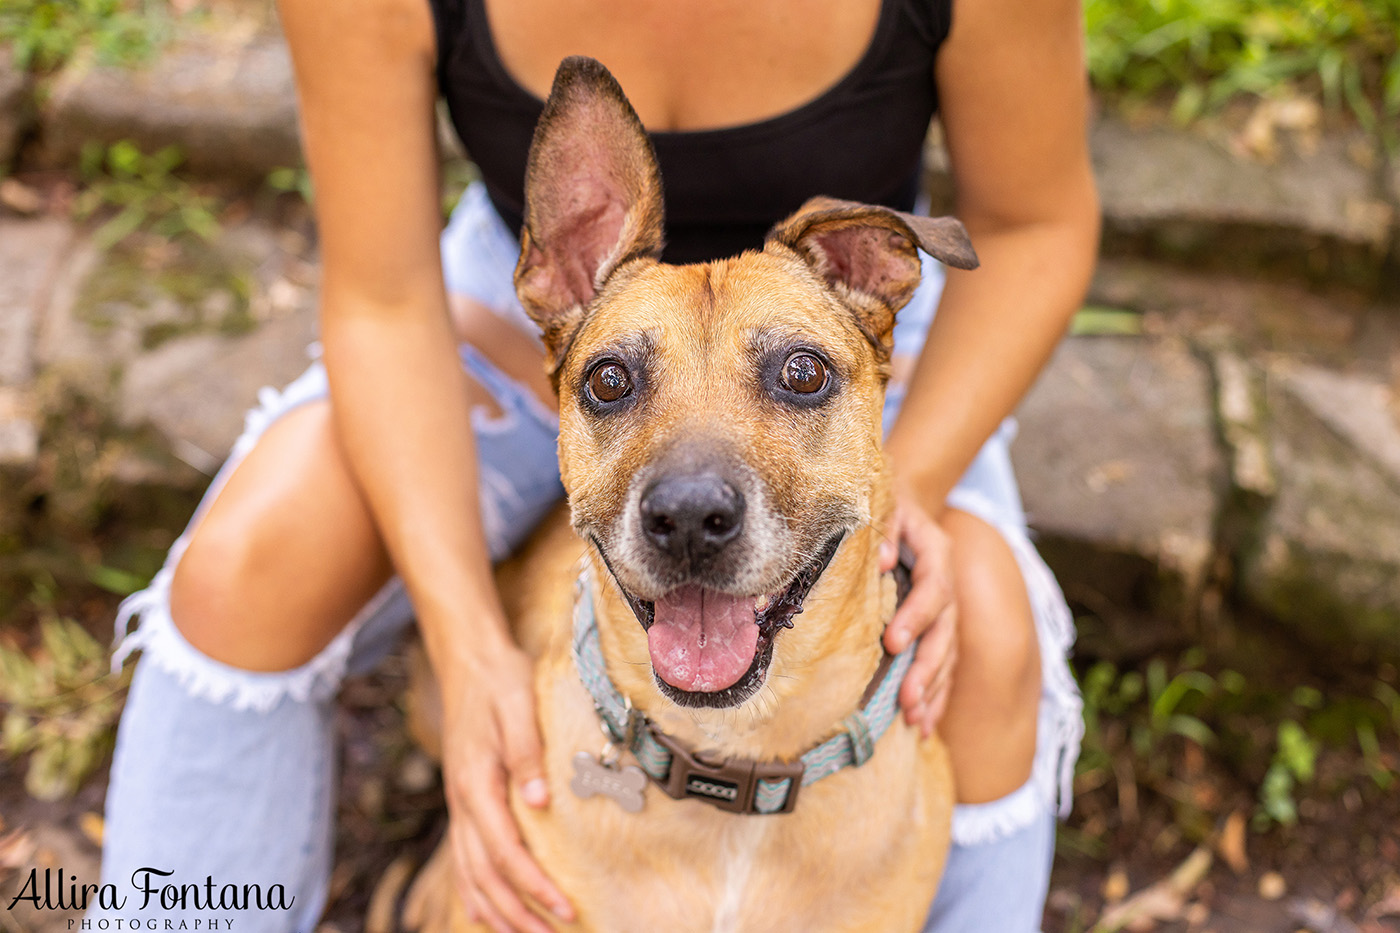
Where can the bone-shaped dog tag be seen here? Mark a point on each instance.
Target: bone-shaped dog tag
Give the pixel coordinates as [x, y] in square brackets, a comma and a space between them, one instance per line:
[624, 785]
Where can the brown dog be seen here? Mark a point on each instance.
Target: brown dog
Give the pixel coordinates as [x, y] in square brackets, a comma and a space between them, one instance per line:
[720, 444]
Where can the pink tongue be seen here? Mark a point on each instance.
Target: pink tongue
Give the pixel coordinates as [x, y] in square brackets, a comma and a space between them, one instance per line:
[702, 641]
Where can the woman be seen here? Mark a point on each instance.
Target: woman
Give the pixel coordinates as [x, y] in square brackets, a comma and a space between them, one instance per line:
[369, 465]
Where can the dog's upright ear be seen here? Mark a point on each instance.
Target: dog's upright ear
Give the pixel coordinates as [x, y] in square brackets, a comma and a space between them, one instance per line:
[869, 255]
[592, 200]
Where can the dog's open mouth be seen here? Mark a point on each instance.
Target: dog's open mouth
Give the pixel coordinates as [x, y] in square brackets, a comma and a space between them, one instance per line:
[710, 648]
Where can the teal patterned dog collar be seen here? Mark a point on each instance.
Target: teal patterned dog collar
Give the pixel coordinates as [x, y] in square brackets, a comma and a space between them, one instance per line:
[739, 785]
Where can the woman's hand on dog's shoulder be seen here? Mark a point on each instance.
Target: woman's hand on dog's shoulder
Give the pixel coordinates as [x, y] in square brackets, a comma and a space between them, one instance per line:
[928, 612]
[491, 743]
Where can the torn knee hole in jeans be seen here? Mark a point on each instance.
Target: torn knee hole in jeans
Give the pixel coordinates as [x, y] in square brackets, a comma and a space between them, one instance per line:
[162, 644]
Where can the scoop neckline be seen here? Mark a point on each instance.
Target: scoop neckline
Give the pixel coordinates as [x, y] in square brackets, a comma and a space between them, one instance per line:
[779, 121]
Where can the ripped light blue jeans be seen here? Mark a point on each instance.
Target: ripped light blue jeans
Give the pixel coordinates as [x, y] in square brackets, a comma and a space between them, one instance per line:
[228, 774]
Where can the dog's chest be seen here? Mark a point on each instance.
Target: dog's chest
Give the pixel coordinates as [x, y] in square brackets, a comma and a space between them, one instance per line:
[687, 866]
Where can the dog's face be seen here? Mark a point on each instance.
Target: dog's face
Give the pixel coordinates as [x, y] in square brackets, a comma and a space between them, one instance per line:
[720, 422]
[719, 435]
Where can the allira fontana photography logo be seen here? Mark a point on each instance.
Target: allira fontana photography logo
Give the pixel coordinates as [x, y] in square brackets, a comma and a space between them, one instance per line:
[154, 900]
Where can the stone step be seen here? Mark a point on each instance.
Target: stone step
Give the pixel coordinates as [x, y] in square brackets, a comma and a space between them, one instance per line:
[1326, 207]
[229, 105]
[1322, 555]
[1123, 481]
[124, 374]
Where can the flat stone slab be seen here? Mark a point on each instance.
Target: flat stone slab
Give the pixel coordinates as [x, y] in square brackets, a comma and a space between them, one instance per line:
[1327, 206]
[1117, 456]
[1359, 410]
[30, 255]
[197, 390]
[231, 107]
[19, 437]
[184, 348]
[1156, 176]
[1326, 556]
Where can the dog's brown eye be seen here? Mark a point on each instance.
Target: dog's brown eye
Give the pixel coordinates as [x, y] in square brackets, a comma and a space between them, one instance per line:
[804, 373]
[609, 382]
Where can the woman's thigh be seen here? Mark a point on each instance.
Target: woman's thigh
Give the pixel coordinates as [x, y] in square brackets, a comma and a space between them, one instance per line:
[286, 551]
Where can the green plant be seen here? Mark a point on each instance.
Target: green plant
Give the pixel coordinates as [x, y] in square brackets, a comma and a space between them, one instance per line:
[1294, 763]
[1152, 706]
[1389, 698]
[1205, 52]
[291, 181]
[1169, 702]
[62, 703]
[144, 191]
[44, 34]
[1098, 321]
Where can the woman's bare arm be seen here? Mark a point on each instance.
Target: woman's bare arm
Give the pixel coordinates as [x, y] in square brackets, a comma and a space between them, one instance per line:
[1012, 91]
[365, 77]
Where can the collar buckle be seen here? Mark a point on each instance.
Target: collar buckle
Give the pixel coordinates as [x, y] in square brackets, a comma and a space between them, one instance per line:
[731, 784]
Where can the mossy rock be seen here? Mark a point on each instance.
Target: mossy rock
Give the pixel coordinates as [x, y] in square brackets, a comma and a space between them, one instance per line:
[1324, 560]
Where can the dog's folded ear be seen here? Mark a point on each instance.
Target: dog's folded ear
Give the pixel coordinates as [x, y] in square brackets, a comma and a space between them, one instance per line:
[592, 200]
[868, 253]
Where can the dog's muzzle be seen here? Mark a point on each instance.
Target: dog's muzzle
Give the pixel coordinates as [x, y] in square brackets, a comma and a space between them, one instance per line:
[709, 648]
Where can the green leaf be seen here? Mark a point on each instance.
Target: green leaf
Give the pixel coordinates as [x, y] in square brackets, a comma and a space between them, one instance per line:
[115, 580]
[17, 733]
[1192, 728]
[20, 677]
[1276, 795]
[1130, 687]
[282, 179]
[1093, 320]
[86, 647]
[200, 222]
[48, 777]
[1389, 697]
[1232, 682]
[1177, 689]
[124, 159]
[1296, 750]
[1390, 93]
[119, 227]
[90, 159]
[1366, 738]
[164, 162]
[59, 645]
[1189, 103]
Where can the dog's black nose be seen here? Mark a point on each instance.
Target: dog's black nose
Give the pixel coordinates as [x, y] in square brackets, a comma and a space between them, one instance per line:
[692, 516]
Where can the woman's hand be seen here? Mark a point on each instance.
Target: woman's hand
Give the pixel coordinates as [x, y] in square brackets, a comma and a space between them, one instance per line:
[928, 610]
[491, 743]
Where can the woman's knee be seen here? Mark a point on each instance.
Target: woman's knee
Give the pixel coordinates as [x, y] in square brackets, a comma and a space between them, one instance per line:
[285, 555]
[991, 723]
[996, 638]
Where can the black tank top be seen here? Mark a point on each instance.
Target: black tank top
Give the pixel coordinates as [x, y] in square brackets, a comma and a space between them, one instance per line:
[862, 139]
